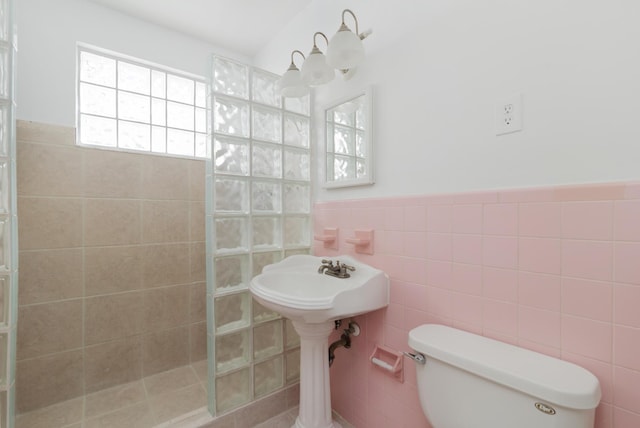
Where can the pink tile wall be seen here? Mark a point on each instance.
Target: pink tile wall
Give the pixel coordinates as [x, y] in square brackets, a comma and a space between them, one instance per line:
[554, 269]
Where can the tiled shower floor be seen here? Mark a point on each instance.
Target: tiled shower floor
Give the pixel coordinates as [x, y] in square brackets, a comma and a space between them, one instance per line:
[146, 403]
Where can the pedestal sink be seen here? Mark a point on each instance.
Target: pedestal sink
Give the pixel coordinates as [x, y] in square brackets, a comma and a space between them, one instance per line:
[313, 301]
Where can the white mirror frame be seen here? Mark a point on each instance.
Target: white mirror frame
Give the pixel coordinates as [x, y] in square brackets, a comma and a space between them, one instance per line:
[367, 178]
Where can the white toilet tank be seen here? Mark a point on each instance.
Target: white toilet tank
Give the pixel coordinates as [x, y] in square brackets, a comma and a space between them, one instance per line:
[470, 381]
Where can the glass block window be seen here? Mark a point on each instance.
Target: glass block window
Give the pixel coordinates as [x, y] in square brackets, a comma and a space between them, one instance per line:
[346, 140]
[129, 104]
[258, 212]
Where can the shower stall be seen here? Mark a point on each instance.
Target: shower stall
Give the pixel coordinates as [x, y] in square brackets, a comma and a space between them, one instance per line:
[142, 263]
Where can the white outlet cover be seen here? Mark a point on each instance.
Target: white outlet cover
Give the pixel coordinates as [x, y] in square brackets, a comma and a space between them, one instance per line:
[508, 115]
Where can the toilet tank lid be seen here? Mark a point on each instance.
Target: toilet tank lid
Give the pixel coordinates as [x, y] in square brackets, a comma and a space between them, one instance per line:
[555, 381]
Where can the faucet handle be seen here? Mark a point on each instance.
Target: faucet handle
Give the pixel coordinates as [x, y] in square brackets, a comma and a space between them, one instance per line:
[345, 267]
[325, 262]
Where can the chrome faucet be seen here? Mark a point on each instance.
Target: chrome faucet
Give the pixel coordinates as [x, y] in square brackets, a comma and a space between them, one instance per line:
[326, 264]
[339, 270]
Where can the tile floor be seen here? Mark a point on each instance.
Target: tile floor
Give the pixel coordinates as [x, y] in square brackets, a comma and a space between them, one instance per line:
[158, 401]
[146, 403]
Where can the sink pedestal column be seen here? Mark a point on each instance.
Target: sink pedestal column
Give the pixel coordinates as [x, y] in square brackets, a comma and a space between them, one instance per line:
[315, 395]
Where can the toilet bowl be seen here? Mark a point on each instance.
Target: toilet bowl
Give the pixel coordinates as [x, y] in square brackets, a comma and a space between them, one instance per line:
[470, 381]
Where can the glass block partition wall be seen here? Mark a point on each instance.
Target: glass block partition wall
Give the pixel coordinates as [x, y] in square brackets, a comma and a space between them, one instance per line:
[258, 212]
[8, 217]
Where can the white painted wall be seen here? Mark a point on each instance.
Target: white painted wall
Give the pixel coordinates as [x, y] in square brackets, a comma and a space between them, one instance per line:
[48, 31]
[438, 68]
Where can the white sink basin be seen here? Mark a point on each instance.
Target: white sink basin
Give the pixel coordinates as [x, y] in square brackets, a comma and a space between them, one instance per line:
[295, 289]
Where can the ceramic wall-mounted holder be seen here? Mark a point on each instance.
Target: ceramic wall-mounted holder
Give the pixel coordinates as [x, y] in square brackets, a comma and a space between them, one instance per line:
[329, 237]
[389, 360]
[363, 241]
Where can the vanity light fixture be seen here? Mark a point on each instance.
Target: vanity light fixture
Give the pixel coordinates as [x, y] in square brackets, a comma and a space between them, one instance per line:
[315, 70]
[345, 51]
[291, 83]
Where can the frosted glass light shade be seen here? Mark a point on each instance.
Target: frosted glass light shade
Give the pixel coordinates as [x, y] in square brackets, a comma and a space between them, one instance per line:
[345, 50]
[316, 71]
[292, 85]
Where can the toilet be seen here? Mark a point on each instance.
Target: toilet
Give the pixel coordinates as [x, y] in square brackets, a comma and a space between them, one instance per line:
[470, 381]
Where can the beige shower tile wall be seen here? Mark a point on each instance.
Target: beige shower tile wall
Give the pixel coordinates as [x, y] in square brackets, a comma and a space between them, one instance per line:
[112, 266]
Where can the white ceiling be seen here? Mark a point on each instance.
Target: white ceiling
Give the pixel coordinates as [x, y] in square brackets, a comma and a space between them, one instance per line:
[242, 26]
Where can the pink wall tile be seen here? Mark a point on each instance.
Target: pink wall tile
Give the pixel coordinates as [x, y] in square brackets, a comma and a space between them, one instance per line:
[389, 242]
[587, 259]
[500, 317]
[533, 194]
[477, 197]
[375, 326]
[626, 347]
[359, 412]
[439, 218]
[414, 318]
[632, 190]
[500, 284]
[439, 246]
[366, 218]
[539, 220]
[501, 337]
[415, 244]
[500, 219]
[467, 248]
[475, 327]
[626, 393]
[626, 300]
[395, 338]
[627, 223]
[394, 218]
[539, 255]
[627, 267]
[467, 279]
[395, 315]
[540, 326]
[590, 192]
[467, 309]
[397, 292]
[439, 302]
[467, 218]
[392, 266]
[500, 251]
[413, 270]
[415, 419]
[438, 199]
[587, 337]
[415, 218]
[416, 296]
[587, 220]
[625, 419]
[551, 351]
[439, 273]
[539, 290]
[589, 299]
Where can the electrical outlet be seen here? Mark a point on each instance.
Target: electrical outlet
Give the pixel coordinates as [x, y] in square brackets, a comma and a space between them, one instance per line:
[508, 115]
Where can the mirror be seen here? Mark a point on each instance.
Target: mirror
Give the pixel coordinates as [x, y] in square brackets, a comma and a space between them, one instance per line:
[348, 160]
